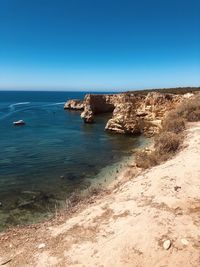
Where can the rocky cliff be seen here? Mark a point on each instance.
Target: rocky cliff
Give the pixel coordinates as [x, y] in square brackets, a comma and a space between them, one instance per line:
[96, 104]
[136, 114]
[132, 113]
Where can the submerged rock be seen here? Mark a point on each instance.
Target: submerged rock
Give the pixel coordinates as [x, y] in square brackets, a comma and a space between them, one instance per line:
[37, 201]
[30, 207]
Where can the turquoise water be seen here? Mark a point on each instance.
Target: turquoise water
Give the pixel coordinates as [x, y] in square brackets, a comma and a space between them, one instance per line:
[55, 153]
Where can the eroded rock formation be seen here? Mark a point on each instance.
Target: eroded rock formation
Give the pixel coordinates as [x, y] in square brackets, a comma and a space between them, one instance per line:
[136, 114]
[95, 104]
[124, 119]
[132, 113]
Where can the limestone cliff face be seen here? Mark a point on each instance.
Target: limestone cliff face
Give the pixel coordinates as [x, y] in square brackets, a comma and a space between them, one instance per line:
[95, 104]
[135, 114]
[132, 113]
[124, 119]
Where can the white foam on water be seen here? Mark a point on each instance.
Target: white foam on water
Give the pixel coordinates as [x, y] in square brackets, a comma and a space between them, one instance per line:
[12, 106]
[13, 110]
[54, 104]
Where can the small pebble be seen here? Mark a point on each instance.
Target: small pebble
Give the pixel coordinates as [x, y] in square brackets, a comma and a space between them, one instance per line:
[184, 241]
[41, 246]
[177, 188]
[166, 244]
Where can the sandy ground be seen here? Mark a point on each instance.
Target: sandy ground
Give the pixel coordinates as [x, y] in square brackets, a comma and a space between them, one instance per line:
[124, 228]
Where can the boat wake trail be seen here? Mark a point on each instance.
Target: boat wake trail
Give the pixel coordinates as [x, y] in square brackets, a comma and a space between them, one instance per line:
[13, 110]
[12, 106]
[54, 104]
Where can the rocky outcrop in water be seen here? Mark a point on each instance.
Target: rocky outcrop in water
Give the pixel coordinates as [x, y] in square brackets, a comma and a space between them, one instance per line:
[132, 113]
[74, 104]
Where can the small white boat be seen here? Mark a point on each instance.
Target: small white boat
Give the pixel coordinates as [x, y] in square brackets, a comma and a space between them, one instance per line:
[19, 122]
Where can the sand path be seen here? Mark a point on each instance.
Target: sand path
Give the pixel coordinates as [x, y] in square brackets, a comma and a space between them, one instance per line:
[127, 227]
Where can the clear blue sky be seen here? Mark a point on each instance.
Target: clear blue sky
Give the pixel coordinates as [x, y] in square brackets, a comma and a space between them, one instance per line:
[99, 44]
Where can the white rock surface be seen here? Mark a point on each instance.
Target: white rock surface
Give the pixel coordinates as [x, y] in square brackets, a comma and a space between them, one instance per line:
[184, 241]
[166, 244]
[41, 246]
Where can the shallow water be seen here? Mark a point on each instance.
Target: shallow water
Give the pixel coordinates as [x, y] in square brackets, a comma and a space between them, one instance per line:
[55, 153]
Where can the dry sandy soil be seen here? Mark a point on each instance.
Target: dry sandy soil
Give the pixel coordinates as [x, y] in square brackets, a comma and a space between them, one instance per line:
[126, 227]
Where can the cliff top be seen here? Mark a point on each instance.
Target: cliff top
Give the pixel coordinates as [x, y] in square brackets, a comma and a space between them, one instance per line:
[176, 90]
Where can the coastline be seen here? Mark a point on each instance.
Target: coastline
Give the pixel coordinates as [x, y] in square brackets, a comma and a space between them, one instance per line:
[112, 174]
[147, 208]
[102, 181]
[33, 179]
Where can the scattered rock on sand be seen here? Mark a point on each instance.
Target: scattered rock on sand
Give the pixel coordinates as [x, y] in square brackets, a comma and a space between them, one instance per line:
[166, 244]
[177, 188]
[41, 245]
[184, 241]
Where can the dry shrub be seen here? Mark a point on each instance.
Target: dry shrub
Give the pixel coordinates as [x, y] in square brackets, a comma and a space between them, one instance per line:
[173, 123]
[145, 159]
[79, 196]
[94, 190]
[167, 142]
[75, 198]
[190, 109]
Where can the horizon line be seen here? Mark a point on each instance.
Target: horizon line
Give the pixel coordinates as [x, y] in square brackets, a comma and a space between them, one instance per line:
[92, 90]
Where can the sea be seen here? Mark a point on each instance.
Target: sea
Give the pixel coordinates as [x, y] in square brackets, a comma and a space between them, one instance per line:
[55, 154]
